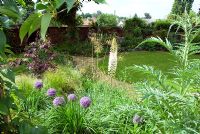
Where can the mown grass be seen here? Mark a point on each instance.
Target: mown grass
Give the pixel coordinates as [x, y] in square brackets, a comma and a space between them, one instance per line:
[163, 61]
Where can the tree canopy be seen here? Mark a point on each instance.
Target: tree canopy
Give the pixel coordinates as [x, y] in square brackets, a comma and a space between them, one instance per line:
[180, 6]
[105, 20]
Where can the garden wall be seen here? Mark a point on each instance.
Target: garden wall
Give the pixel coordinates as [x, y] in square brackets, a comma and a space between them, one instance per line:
[56, 35]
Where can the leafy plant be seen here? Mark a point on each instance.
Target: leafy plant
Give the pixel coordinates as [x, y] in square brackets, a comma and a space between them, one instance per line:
[40, 54]
[136, 29]
[65, 79]
[9, 11]
[106, 20]
[171, 105]
[67, 119]
[184, 49]
[45, 12]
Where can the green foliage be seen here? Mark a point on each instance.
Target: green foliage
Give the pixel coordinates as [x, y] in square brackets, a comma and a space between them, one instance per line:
[64, 79]
[33, 22]
[30, 25]
[161, 24]
[2, 41]
[188, 47]
[167, 106]
[136, 29]
[8, 12]
[45, 21]
[171, 105]
[66, 119]
[147, 16]
[180, 6]
[106, 20]
[47, 11]
[111, 110]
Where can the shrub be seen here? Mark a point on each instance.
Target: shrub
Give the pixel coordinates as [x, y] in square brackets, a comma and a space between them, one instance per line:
[107, 20]
[136, 29]
[161, 25]
[40, 54]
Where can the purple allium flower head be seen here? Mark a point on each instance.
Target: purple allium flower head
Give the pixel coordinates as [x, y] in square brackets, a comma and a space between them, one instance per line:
[58, 101]
[51, 92]
[38, 84]
[137, 119]
[71, 97]
[85, 102]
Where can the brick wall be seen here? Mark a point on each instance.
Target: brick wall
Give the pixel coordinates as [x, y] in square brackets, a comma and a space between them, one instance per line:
[56, 35]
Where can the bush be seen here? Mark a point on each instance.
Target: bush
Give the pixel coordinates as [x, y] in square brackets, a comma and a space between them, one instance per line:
[40, 54]
[161, 25]
[136, 29]
[107, 20]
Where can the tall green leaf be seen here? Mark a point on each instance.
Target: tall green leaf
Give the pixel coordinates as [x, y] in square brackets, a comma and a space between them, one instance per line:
[100, 1]
[46, 19]
[41, 6]
[59, 3]
[35, 25]
[11, 4]
[2, 41]
[3, 108]
[9, 12]
[70, 4]
[26, 26]
[21, 2]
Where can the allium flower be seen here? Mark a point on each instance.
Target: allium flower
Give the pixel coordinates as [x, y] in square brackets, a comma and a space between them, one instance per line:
[51, 92]
[137, 119]
[38, 84]
[58, 101]
[85, 102]
[71, 97]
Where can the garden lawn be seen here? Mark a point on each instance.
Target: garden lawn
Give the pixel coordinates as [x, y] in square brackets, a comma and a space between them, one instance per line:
[163, 61]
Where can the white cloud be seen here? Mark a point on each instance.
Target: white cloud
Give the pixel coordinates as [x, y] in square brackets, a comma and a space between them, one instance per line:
[157, 8]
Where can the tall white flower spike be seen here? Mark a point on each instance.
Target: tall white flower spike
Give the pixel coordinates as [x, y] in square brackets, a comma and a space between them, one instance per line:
[112, 65]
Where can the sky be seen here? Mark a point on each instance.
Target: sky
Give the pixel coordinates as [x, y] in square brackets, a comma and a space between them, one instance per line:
[158, 9]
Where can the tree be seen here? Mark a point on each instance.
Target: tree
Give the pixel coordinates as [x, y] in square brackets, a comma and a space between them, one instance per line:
[147, 15]
[107, 20]
[62, 10]
[180, 6]
[87, 15]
